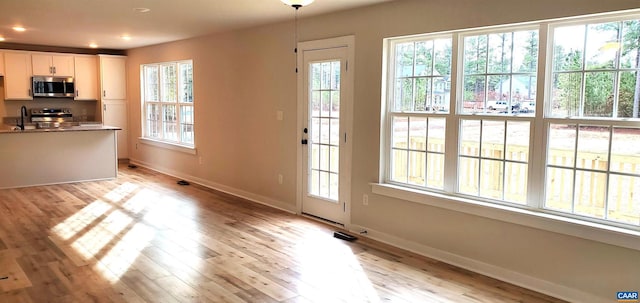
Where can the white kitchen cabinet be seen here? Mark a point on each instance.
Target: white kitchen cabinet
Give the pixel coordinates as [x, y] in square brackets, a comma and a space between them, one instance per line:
[114, 113]
[17, 76]
[113, 86]
[86, 77]
[52, 65]
[113, 77]
[1, 64]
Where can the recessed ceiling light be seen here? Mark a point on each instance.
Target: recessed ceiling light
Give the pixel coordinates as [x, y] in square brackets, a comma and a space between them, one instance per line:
[125, 37]
[93, 45]
[1, 39]
[19, 29]
[141, 10]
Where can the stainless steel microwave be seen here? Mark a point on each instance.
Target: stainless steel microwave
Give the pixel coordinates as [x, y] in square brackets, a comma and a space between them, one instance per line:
[53, 87]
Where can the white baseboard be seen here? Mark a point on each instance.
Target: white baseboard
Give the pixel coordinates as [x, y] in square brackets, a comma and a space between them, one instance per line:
[219, 187]
[509, 276]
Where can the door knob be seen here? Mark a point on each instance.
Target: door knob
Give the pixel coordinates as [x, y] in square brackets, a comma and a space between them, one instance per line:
[304, 140]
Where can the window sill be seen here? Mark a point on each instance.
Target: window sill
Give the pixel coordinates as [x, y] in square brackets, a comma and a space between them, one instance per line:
[167, 145]
[540, 220]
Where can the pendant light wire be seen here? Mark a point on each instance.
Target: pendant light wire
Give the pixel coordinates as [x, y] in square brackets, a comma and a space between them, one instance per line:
[295, 35]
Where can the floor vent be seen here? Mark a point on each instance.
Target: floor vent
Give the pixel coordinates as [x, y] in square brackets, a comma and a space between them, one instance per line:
[344, 236]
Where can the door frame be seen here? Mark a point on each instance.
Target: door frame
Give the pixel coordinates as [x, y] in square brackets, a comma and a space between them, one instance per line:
[345, 170]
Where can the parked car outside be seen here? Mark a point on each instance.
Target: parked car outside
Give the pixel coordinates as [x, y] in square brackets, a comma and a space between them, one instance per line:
[528, 107]
[497, 105]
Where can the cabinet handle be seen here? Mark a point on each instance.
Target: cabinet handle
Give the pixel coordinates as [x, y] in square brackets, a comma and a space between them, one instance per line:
[104, 93]
[54, 69]
[50, 70]
[77, 93]
[104, 107]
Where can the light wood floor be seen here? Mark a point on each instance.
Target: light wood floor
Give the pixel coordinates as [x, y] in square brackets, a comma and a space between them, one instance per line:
[143, 238]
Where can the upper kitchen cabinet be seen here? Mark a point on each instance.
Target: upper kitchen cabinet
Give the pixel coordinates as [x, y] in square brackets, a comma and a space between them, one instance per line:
[52, 65]
[17, 76]
[86, 77]
[113, 77]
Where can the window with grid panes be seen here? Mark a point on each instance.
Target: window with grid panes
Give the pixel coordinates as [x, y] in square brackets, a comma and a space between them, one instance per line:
[418, 109]
[586, 127]
[167, 97]
[499, 76]
[593, 159]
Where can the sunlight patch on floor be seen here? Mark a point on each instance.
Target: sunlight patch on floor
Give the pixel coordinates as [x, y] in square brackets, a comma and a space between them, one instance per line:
[124, 254]
[331, 268]
[105, 231]
[141, 200]
[80, 220]
[95, 239]
[121, 192]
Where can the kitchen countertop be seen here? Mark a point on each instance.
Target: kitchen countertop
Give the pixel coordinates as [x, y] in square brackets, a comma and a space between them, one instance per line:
[74, 128]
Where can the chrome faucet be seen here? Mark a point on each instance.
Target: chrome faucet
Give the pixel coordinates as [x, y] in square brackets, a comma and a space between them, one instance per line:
[23, 113]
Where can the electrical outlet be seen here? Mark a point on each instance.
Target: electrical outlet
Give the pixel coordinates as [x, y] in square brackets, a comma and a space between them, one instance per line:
[365, 199]
[280, 179]
[279, 115]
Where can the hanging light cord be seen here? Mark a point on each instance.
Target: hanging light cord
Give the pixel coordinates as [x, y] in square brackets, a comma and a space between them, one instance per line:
[295, 34]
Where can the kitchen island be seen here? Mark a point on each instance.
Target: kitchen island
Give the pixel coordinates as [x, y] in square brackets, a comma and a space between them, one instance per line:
[58, 155]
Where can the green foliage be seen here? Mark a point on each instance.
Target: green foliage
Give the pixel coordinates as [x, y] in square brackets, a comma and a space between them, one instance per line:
[530, 62]
[598, 95]
[494, 54]
[421, 67]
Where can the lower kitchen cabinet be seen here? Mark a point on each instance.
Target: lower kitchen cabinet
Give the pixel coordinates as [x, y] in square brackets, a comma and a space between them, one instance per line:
[114, 113]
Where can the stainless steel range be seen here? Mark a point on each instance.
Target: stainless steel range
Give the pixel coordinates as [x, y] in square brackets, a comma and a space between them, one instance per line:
[50, 117]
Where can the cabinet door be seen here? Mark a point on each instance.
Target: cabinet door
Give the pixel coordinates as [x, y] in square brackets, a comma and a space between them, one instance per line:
[86, 78]
[1, 64]
[52, 65]
[17, 77]
[115, 114]
[113, 76]
[41, 65]
[62, 65]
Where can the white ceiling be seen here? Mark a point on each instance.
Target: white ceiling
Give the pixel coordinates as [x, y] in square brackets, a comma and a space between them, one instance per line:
[77, 23]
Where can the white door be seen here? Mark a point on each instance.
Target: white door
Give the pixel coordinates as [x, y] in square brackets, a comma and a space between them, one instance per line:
[326, 117]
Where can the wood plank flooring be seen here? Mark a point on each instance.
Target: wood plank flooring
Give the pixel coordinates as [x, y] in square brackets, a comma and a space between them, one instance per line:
[143, 238]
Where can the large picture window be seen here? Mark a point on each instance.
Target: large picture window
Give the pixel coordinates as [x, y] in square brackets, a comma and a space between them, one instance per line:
[566, 147]
[167, 101]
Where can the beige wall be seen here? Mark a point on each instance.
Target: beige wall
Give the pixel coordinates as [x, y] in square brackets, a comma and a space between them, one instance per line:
[242, 78]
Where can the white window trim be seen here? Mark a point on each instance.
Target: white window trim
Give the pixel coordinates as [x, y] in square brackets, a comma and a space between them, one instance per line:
[168, 145]
[531, 215]
[538, 219]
